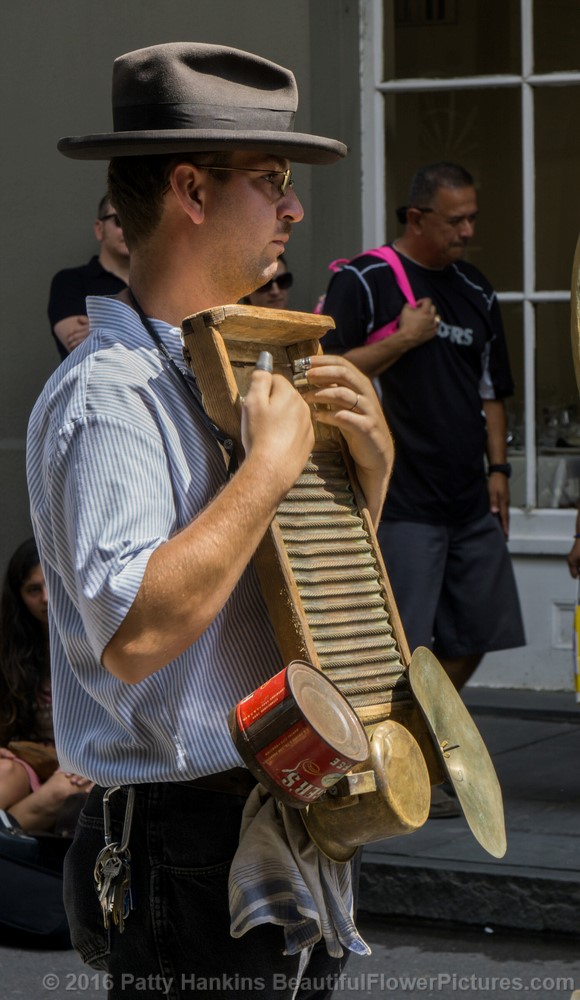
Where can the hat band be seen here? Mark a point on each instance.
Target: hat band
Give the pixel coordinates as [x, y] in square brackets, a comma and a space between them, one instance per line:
[158, 117]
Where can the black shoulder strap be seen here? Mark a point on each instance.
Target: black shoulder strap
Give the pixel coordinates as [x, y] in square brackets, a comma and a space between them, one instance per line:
[195, 394]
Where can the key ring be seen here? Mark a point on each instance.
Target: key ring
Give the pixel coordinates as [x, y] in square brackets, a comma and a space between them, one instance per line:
[127, 820]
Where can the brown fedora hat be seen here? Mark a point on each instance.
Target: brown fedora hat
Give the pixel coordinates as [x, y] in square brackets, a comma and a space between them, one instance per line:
[185, 97]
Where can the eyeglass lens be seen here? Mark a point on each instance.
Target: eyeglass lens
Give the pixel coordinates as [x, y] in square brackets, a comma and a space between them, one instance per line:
[283, 281]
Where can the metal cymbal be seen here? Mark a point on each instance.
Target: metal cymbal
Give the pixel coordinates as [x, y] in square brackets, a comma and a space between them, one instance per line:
[462, 752]
[387, 796]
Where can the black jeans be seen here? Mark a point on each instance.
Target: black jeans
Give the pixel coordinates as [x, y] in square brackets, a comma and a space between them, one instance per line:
[177, 940]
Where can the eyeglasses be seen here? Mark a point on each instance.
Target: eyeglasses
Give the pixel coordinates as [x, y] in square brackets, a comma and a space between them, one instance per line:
[280, 185]
[455, 220]
[113, 216]
[283, 281]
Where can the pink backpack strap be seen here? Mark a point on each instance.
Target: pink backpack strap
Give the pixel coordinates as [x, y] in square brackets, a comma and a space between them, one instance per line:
[392, 258]
[338, 264]
[387, 254]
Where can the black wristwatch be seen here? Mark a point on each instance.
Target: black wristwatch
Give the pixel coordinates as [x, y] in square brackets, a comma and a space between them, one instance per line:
[506, 469]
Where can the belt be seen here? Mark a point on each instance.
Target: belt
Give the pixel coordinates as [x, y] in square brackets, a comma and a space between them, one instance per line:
[236, 781]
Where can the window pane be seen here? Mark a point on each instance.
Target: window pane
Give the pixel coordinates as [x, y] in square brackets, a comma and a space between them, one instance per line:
[467, 127]
[557, 187]
[444, 38]
[558, 416]
[556, 33]
[512, 315]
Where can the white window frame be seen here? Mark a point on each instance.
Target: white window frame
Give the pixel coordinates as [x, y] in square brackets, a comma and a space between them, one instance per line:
[533, 530]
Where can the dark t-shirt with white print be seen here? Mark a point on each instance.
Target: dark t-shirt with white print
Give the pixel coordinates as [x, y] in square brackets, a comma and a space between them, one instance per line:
[432, 394]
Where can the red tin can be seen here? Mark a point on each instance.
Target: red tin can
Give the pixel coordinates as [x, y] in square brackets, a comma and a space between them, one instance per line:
[298, 734]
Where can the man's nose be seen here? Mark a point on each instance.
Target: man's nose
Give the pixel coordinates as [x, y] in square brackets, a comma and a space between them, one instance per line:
[466, 229]
[290, 207]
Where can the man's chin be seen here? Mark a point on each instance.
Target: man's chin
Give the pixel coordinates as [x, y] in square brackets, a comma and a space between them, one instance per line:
[456, 253]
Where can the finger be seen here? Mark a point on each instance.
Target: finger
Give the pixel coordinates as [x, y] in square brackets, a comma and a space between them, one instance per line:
[265, 362]
[261, 377]
[78, 780]
[350, 402]
[327, 369]
[433, 313]
[341, 399]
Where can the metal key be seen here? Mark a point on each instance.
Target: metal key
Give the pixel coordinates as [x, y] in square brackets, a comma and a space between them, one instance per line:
[121, 900]
[104, 869]
[104, 859]
[112, 871]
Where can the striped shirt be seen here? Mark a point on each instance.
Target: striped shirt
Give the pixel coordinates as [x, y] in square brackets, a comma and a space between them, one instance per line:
[119, 460]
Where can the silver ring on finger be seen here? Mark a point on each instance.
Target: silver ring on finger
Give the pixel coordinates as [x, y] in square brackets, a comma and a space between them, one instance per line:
[355, 404]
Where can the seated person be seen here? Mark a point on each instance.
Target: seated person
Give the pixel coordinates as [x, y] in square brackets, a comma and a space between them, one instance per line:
[105, 274]
[32, 788]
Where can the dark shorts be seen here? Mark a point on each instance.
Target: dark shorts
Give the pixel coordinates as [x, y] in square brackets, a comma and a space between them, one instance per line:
[454, 586]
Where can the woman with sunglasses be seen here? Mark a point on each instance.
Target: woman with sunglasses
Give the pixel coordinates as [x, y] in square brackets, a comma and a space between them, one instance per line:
[275, 293]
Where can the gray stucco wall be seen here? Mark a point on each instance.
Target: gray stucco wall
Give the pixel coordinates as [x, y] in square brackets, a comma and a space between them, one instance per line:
[55, 66]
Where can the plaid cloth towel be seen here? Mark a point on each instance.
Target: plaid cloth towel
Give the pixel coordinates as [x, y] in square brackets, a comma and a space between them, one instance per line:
[279, 876]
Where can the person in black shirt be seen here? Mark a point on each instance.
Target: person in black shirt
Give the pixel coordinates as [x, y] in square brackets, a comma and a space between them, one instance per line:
[443, 374]
[105, 274]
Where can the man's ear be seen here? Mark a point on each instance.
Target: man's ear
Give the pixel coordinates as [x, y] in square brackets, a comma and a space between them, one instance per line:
[189, 185]
[414, 218]
[99, 230]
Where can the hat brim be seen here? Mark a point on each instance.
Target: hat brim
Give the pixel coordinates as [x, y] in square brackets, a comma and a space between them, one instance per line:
[296, 146]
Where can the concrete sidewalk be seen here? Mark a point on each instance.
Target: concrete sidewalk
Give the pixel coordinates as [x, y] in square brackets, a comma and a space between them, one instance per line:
[441, 873]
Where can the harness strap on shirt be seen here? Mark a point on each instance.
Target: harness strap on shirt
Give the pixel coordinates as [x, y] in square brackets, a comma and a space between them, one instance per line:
[226, 442]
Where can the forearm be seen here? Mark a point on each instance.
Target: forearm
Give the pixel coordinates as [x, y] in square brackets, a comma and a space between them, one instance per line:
[496, 446]
[71, 331]
[190, 577]
[417, 325]
[374, 487]
[373, 359]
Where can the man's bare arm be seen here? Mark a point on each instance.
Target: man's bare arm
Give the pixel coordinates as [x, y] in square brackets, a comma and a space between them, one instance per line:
[72, 331]
[499, 492]
[189, 578]
[417, 325]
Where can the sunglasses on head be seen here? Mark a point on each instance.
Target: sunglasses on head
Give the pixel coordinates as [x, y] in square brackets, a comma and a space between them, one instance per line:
[283, 281]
